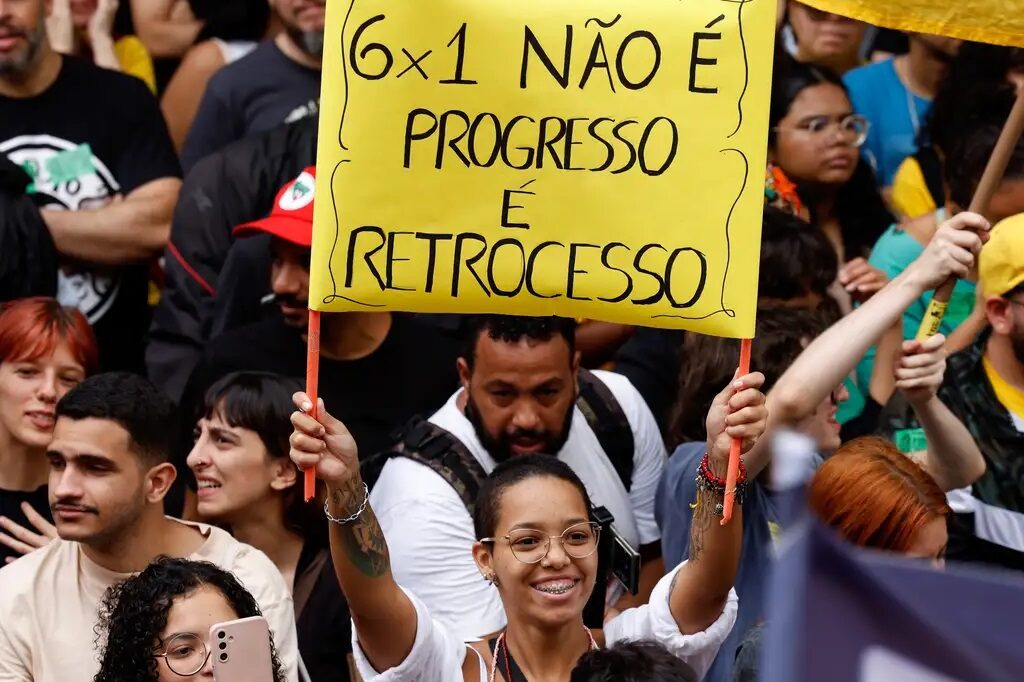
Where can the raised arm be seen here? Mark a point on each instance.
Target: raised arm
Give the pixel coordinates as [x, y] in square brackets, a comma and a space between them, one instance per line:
[701, 587]
[830, 358]
[384, 617]
[952, 458]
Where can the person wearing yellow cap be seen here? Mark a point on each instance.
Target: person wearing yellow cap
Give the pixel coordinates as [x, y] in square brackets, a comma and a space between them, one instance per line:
[984, 387]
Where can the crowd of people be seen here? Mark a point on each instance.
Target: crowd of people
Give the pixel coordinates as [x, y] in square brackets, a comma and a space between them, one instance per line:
[499, 497]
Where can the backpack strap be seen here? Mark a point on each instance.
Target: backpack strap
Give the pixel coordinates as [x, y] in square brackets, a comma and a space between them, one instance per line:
[609, 424]
[434, 447]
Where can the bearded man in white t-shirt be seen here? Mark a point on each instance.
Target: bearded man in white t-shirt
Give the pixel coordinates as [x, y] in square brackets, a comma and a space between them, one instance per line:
[520, 395]
[109, 472]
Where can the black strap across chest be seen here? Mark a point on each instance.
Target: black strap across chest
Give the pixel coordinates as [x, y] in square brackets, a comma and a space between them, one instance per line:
[511, 673]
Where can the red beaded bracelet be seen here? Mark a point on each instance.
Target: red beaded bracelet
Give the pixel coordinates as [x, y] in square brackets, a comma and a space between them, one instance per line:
[708, 482]
[705, 471]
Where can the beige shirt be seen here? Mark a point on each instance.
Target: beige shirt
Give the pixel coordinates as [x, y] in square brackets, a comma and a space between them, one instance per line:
[49, 603]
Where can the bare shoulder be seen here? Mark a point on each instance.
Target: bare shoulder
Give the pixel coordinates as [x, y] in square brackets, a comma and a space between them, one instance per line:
[206, 57]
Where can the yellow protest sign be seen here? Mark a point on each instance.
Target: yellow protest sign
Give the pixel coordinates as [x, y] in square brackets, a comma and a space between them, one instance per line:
[587, 158]
[999, 22]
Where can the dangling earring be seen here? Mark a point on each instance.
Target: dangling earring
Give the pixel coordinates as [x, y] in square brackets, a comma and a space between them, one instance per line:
[491, 578]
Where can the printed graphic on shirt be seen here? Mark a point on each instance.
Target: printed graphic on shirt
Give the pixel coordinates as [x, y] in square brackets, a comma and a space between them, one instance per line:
[69, 177]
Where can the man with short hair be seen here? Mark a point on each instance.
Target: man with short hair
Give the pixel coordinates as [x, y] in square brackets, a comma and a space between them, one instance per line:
[109, 472]
[377, 369]
[984, 387]
[101, 168]
[278, 82]
[521, 393]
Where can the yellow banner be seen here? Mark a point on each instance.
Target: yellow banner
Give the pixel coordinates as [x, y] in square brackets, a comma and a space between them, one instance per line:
[999, 22]
[586, 158]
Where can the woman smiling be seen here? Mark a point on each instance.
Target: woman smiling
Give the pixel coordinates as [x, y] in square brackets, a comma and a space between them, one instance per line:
[537, 544]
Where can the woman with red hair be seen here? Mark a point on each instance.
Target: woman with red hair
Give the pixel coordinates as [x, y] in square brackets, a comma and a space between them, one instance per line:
[45, 350]
[875, 496]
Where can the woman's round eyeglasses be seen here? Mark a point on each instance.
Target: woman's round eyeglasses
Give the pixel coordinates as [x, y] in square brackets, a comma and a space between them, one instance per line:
[185, 653]
[854, 126]
[531, 546]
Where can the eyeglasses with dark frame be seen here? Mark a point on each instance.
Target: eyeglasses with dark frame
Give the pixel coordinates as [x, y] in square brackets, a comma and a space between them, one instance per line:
[531, 546]
[185, 653]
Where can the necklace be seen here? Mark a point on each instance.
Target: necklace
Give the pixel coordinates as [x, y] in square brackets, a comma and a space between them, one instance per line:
[915, 120]
[500, 645]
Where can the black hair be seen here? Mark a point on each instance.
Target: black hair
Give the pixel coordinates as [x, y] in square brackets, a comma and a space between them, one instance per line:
[636, 661]
[796, 258]
[232, 20]
[1014, 291]
[515, 470]
[514, 328]
[133, 403]
[789, 79]
[859, 207]
[258, 401]
[134, 613]
[976, 71]
[262, 403]
[708, 363]
[976, 138]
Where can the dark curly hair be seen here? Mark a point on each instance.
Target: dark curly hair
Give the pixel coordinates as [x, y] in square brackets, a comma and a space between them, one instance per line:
[514, 328]
[134, 613]
[637, 661]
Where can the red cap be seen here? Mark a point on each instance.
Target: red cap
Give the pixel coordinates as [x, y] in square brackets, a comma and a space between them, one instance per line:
[291, 219]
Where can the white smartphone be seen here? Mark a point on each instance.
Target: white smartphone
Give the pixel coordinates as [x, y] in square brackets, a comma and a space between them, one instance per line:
[241, 651]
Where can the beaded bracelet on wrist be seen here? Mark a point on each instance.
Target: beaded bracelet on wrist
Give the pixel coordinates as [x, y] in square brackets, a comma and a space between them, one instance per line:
[708, 482]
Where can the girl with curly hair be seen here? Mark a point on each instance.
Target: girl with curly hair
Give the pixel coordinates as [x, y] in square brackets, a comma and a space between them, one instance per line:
[156, 625]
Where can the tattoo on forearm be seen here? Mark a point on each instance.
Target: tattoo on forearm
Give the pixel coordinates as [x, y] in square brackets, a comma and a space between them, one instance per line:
[362, 540]
[703, 517]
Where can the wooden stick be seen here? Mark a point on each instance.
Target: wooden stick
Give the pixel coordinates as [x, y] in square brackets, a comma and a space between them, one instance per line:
[734, 450]
[990, 180]
[312, 390]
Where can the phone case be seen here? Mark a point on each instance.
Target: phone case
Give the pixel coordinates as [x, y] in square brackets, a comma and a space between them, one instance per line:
[241, 651]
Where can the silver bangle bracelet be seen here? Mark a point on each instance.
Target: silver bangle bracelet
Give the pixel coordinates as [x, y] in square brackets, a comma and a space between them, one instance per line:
[353, 517]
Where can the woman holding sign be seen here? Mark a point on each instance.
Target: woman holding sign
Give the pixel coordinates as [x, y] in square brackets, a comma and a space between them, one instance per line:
[537, 544]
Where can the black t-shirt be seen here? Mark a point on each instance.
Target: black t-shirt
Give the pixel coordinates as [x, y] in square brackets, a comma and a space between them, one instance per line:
[258, 92]
[324, 627]
[411, 373]
[10, 506]
[92, 134]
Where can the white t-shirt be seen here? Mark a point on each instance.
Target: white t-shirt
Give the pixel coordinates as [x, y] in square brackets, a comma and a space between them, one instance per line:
[430, 532]
[437, 654]
[49, 605]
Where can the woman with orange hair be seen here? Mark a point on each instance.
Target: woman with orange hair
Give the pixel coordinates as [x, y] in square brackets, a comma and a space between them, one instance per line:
[45, 350]
[875, 496]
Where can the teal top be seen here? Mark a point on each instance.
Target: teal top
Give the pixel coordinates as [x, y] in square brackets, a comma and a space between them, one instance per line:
[894, 251]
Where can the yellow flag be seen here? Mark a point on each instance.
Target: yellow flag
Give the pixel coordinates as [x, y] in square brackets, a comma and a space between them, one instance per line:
[999, 22]
[586, 158]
